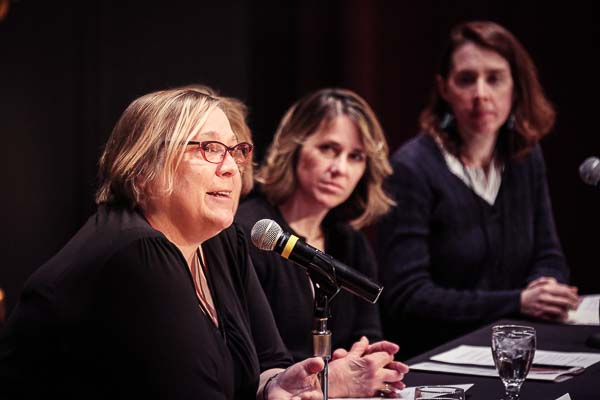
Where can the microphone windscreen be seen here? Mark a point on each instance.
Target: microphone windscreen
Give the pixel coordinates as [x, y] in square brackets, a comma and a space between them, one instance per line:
[589, 171]
[265, 233]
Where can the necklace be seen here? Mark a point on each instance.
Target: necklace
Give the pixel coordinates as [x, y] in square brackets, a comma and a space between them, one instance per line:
[202, 289]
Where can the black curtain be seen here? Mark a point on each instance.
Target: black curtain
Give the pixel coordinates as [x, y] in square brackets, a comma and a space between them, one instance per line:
[67, 71]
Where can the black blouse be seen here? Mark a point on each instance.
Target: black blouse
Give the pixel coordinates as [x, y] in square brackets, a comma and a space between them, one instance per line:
[115, 313]
[289, 291]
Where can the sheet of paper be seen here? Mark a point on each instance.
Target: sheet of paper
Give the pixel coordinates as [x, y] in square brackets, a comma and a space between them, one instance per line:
[564, 397]
[409, 392]
[482, 355]
[557, 376]
[588, 312]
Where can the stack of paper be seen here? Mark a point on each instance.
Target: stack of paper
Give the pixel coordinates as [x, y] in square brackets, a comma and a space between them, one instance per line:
[554, 366]
[409, 393]
[588, 312]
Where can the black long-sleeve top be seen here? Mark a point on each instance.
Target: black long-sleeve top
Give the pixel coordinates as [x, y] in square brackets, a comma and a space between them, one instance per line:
[115, 315]
[449, 261]
[289, 291]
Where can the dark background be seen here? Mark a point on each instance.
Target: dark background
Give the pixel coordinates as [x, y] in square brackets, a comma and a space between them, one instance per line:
[68, 71]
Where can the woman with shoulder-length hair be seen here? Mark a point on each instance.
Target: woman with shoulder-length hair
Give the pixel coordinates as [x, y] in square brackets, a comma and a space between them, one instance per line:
[155, 296]
[278, 177]
[472, 238]
[322, 181]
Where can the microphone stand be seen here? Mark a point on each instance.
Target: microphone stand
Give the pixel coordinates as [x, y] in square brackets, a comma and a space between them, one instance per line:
[325, 291]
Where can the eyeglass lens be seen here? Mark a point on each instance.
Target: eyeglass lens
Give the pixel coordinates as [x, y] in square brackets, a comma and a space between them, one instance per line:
[215, 151]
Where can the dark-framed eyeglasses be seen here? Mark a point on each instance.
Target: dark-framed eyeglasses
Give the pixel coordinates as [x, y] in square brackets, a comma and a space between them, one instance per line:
[214, 152]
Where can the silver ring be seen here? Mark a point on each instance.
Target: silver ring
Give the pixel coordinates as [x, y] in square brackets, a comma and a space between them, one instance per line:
[386, 390]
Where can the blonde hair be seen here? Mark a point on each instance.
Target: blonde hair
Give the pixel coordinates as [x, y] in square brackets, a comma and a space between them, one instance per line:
[236, 112]
[146, 141]
[277, 177]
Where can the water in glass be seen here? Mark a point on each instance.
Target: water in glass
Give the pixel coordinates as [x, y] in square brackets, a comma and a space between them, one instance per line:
[513, 348]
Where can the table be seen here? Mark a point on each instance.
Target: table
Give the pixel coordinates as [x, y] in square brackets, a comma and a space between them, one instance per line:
[550, 336]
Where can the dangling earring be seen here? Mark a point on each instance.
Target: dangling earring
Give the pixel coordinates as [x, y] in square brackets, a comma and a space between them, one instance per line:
[511, 122]
[446, 121]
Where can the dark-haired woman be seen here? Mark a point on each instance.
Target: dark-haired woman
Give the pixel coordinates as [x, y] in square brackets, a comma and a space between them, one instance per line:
[472, 238]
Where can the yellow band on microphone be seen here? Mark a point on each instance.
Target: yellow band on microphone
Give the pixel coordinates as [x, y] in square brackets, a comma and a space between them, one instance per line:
[289, 246]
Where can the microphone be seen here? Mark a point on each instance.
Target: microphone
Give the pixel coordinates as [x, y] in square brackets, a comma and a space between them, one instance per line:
[268, 235]
[589, 171]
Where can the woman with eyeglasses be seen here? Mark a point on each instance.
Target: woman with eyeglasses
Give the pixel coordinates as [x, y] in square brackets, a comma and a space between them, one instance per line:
[155, 296]
[472, 238]
[322, 181]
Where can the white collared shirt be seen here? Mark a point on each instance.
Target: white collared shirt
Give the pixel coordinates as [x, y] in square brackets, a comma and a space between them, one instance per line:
[484, 185]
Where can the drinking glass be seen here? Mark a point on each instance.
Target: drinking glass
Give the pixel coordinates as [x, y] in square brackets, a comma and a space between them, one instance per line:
[439, 393]
[513, 348]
